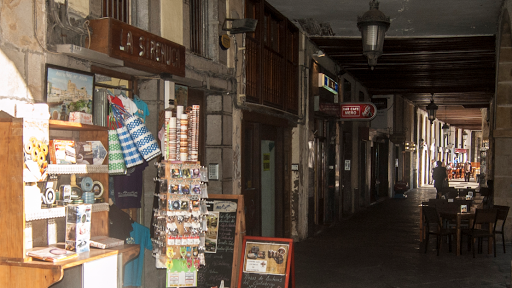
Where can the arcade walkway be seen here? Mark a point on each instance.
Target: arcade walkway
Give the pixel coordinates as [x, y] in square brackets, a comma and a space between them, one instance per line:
[379, 247]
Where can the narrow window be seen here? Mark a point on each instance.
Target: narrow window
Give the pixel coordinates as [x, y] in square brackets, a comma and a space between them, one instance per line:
[117, 9]
[198, 26]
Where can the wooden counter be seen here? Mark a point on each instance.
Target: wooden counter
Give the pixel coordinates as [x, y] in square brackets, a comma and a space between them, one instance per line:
[41, 274]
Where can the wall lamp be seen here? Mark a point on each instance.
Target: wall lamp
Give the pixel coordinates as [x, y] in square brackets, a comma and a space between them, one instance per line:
[319, 53]
[238, 26]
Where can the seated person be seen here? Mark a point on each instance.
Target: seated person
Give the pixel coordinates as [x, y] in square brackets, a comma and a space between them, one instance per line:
[449, 170]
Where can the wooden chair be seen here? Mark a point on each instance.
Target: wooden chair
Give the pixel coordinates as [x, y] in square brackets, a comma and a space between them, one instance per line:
[451, 194]
[502, 215]
[434, 227]
[483, 227]
[463, 193]
[436, 202]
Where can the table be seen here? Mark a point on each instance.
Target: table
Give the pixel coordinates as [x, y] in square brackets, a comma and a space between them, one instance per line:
[452, 212]
[458, 217]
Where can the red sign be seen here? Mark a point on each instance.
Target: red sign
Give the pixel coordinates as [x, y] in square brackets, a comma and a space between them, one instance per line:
[357, 111]
[460, 150]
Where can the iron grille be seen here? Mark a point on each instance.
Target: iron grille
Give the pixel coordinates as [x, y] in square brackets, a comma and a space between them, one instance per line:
[198, 27]
[117, 9]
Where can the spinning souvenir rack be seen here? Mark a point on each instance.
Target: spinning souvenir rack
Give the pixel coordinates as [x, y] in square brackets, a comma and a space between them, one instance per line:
[179, 221]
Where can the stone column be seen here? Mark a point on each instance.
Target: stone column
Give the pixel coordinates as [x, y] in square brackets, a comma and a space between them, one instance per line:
[501, 136]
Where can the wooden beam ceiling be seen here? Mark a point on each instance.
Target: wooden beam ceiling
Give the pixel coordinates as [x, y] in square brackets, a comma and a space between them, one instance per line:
[460, 71]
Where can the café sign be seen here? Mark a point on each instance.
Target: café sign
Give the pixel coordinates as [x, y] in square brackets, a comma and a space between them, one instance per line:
[138, 48]
[363, 111]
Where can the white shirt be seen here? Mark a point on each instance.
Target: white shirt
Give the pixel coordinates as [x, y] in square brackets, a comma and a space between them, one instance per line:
[128, 104]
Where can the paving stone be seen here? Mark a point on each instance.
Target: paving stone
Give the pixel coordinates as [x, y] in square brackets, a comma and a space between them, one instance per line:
[380, 247]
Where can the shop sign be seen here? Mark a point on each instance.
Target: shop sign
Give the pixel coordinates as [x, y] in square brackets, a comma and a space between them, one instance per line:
[332, 109]
[460, 150]
[357, 111]
[138, 48]
[326, 82]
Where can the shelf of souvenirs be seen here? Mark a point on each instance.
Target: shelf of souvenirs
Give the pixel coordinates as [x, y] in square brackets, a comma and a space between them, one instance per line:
[76, 169]
[59, 211]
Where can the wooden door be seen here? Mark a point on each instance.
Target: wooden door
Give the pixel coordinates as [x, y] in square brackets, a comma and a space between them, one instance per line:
[260, 198]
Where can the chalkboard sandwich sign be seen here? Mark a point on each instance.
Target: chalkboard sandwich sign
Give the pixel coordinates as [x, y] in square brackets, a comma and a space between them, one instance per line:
[223, 239]
[266, 262]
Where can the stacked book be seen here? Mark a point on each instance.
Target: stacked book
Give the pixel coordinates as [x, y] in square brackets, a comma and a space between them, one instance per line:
[104, 242]
[52, 254]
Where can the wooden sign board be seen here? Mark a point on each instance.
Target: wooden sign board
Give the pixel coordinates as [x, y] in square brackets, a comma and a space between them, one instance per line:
[266, 262]
[223, 241]
[138, 48]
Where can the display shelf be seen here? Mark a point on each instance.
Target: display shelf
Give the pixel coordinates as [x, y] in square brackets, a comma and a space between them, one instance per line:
[16, 268]
[65, 125]
[76, 169]
[12, 223]
[100, 207]
[56, 212]
[46, 213]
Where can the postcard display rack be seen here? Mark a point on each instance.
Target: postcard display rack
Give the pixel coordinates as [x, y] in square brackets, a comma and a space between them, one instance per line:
[179, 220]
[19, 211]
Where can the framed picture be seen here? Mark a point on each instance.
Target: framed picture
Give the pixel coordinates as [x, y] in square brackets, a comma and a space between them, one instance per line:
[266, 262]
[181, 93]
[68, 90]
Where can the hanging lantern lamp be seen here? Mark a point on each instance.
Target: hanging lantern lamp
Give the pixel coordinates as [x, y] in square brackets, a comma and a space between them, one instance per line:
[373, 26]
[446, 129]
[432, 109]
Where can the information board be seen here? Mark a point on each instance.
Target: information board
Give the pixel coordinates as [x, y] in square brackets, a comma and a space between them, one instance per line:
[266, 262]
[223, 241]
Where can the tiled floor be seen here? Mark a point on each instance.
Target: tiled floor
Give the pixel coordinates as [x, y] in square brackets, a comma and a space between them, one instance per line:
[380, 247]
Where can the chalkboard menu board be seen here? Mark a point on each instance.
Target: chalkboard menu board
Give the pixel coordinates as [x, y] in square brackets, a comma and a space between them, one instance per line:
[223, 239]
[266, 263]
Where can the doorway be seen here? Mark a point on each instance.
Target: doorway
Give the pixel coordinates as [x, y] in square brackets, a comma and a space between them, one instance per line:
[263, 178]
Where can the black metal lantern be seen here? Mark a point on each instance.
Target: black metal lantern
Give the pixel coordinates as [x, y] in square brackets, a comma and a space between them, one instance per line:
[373, 26]
[446, 129]
[432, 109]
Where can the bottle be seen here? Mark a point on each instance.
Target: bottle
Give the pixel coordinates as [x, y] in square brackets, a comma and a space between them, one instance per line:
[76, 192]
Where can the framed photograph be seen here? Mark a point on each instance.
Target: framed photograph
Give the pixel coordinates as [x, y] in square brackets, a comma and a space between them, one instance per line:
[68, 90]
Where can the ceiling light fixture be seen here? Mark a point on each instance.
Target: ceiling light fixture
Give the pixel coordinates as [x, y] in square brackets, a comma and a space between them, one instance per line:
[446, 127]
[432, 109]
[373, 26]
